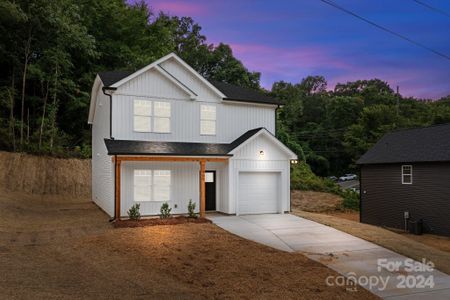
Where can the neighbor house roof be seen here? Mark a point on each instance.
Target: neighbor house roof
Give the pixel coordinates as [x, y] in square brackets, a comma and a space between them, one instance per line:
[232, 92]
[428, 144]
[127, 147]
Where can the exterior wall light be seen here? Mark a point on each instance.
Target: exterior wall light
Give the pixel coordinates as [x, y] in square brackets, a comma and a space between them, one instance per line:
[294, 161]
[261, 153]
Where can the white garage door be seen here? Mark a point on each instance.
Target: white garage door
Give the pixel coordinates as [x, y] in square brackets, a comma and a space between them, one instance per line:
[258, 192]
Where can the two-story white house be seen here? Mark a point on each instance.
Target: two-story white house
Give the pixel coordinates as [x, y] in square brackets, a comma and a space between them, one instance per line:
[166, 134]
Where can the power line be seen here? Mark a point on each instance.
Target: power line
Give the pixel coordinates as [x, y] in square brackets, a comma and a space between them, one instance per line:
[386, 29]
[433, 8]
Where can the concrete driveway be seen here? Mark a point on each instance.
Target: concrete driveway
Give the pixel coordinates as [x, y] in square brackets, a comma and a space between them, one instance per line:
[342, 252]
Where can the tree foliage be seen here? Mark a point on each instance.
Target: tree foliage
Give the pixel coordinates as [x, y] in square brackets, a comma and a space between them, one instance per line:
[50, 52]
[334, 128]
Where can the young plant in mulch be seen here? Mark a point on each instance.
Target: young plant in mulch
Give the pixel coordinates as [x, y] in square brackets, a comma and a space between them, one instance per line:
[165, 211]
[133, 212]
[191, 210]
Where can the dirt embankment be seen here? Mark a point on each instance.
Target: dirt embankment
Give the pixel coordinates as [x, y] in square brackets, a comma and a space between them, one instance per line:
[42, 175]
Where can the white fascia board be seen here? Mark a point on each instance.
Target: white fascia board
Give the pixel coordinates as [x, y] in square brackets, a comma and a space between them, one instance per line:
[163, 59]
[93, 104]
[264, 131]
[172, 79]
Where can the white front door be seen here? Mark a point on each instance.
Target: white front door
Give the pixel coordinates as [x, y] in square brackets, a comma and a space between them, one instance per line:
[259, 192]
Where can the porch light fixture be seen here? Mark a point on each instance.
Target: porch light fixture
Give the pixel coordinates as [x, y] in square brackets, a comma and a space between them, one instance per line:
[261, 153]
[294, 161]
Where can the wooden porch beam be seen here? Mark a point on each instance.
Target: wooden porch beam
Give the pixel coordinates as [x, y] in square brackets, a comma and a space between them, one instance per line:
[172, 158]
[202, 188]
[117, 192]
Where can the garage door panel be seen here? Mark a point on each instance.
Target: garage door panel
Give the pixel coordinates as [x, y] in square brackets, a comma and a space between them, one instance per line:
[258, 192]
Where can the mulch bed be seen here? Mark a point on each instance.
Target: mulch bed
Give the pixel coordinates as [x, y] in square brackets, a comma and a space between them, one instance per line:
[158, 221]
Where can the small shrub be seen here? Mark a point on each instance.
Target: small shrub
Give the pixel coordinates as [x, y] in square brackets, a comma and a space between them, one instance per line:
[351, 200]
[133, 212]
[165, 210]
[191, 209]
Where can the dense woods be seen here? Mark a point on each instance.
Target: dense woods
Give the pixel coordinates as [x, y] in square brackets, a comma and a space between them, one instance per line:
[50, 52]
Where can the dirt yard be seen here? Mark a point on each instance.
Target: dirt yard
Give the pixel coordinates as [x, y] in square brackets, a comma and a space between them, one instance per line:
[431, 247]
[58, 248]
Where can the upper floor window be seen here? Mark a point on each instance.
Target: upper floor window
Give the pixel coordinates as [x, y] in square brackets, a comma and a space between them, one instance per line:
[407, 175]
[161, 117]
[151, 116]
[142, 120]
[207, 119]
[152, 185]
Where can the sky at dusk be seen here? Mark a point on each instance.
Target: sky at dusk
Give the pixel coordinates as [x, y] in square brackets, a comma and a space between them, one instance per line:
[289, 40]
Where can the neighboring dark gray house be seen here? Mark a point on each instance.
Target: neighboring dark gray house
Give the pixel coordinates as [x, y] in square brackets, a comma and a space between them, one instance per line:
[408, 171]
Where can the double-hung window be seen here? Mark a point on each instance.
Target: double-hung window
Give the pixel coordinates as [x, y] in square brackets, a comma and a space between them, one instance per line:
[207, 120]
[152, 185]
[151, 116]
[407, 175]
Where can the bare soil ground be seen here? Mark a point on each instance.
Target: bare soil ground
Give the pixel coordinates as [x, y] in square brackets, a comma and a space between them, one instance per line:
[315, 201]
[88, 258]
[431, 247]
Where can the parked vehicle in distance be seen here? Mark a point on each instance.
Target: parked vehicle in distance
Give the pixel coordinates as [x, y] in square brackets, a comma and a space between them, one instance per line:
[348, 177]
[333, 178]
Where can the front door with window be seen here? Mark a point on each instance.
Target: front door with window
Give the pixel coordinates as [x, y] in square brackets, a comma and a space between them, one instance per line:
[210, 182]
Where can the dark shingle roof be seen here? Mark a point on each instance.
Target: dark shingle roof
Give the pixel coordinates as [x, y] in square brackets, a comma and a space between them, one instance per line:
[232, 92]
[411, 145]
[127, 147]
[237, 93]
[110, 77]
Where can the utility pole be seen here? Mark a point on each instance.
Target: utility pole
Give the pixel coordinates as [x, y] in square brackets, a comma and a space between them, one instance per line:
[398, 105]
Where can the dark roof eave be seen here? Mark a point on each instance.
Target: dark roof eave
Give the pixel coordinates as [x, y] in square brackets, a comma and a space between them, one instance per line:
[253, 101]
[171, 154]
[401, 162]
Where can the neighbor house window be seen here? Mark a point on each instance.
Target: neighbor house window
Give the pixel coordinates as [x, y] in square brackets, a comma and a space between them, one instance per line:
[152, 185]
[207, 119]
[151, 116]
[407, 174]
[142, 116]
[161, 116]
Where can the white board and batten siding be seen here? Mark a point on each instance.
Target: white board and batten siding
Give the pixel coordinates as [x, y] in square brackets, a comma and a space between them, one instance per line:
[232, 119]
[102, 166]
[184, 186]
[250, 173]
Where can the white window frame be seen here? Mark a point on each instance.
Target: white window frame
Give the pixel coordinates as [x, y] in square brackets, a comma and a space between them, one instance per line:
[142, 115]
[153, 116]
[207, 119]
[157, 117]
[152, 186]
[410, 174]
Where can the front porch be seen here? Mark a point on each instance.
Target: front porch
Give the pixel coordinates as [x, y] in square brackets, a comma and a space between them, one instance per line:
[187, 181]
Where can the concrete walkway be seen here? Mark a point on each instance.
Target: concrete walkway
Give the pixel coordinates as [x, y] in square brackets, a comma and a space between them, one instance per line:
[342, 252]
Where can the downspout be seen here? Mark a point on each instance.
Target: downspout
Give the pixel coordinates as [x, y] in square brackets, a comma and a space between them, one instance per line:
[104, 89]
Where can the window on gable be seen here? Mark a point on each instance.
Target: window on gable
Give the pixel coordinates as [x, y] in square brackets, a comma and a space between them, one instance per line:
[142, 119]
[207, 120]
[152, 185]
[161, 117]
[407, 174]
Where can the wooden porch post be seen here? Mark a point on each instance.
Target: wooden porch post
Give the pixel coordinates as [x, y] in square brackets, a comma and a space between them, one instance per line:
[202, 188]
[117, 212]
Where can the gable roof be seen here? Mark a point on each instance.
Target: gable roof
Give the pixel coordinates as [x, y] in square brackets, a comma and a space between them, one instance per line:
[428, 144]
[128, 147]
[110, 77]
[225, 91]
[237, 93]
